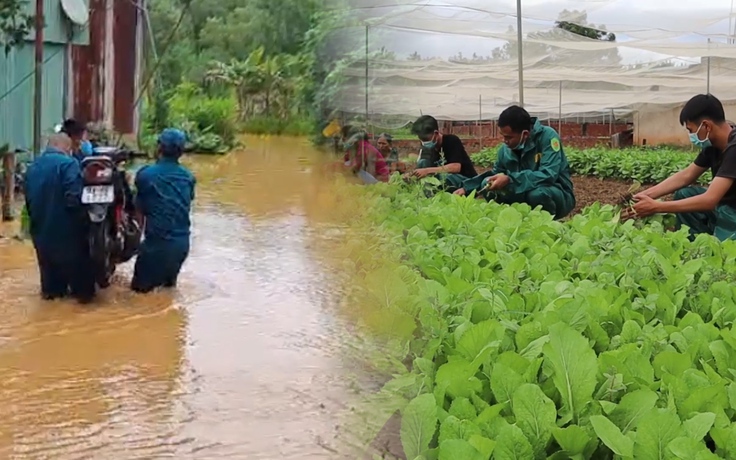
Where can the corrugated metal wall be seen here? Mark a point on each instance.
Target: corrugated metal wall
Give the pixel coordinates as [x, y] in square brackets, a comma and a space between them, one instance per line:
[16, 85]
[58, 28]
[125, 38]
[88, 68]
[105, 72]
[16, 78]
[98, 72]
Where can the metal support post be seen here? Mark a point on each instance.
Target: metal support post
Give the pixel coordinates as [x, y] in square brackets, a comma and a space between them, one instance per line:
[559, 126]
[38, 78]
[520, 46]
[707, 78]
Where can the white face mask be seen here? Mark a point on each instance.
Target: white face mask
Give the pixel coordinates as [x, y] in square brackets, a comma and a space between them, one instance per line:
[522, 141]
[430, 143]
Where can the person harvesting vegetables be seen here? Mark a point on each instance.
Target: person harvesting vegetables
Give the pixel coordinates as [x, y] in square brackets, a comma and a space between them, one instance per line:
[531, 167]
[363, 159]
[709, 210]
[441, 154]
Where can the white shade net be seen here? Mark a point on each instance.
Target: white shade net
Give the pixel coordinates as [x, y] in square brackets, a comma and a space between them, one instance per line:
[457, 59]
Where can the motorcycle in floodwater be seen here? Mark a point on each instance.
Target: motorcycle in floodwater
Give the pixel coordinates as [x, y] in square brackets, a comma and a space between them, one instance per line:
[114, 233]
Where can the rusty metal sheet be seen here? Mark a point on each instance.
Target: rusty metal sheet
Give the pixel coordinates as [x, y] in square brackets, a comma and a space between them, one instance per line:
[124, 41]
[88, 66]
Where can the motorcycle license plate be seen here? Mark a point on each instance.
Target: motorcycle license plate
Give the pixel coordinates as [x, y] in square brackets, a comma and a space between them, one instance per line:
[98, 194]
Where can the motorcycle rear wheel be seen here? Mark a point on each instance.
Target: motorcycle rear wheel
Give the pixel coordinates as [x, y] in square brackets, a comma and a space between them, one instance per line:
[100, 253]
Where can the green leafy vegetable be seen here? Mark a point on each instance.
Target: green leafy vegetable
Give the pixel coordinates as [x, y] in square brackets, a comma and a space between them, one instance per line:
[643, 165]
[537, 339]
[418, 424]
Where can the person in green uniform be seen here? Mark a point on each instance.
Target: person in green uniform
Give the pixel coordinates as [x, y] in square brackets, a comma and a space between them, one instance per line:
[710, 210]
[531, 167]
[442, 154]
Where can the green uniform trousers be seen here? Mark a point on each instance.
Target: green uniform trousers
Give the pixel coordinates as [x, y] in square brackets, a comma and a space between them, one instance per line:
[552, 199]
[721, 222]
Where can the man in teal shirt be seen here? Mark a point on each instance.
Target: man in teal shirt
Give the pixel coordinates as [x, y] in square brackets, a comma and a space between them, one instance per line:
[531, 167]
[165, 192]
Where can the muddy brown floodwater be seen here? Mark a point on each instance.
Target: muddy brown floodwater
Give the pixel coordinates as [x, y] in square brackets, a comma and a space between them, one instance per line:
[244, 360]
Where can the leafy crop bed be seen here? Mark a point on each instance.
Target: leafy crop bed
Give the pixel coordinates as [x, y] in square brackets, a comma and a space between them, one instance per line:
[647, 166]
[536, 339]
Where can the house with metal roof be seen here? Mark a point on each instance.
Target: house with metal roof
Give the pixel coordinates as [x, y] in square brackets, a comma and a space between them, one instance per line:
[91, 69]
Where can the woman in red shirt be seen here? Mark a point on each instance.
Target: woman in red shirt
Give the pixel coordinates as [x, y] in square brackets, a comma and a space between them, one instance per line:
[365, 160]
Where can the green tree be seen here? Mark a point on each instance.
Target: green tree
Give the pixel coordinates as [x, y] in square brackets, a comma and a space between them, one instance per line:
[280, 60]
[15, 23]
[243, 76]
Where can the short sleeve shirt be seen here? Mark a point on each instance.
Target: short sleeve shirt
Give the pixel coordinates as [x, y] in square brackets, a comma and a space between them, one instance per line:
[454, 152]
[722, 164]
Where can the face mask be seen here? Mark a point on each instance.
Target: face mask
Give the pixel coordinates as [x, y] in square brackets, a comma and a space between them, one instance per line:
[86, 148]
[522, 143]
[430, 144]
[702, 144]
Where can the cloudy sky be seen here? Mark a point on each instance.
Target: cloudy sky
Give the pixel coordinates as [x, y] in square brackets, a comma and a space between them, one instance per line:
[630, 19]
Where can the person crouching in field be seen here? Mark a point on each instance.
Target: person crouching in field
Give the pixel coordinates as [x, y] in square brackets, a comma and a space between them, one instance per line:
[364, 160]
[709, 210]
[531, 167]
[442, 154]
[385, 145]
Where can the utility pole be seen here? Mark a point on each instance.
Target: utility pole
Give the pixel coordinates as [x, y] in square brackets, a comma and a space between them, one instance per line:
[38, 79]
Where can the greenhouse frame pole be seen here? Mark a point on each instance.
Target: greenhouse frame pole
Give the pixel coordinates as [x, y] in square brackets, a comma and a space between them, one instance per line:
[559, 121]
[520, 53]
[610, 124]
[730, 26]
[480, 121]
[366, 76]
[707, 78]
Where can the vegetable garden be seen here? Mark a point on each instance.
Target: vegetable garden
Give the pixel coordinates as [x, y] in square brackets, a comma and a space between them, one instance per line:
[647, 166]
[536, 339]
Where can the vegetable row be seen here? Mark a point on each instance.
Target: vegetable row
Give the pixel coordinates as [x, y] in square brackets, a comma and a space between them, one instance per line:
[647, 166]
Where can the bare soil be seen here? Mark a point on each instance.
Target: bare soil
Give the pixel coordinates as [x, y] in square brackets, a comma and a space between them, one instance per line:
[589, 190]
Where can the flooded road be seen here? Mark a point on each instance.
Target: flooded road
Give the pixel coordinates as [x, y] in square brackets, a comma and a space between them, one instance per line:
[244, 360]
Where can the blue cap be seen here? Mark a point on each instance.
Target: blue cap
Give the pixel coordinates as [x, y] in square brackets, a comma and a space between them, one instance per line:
[172, 140]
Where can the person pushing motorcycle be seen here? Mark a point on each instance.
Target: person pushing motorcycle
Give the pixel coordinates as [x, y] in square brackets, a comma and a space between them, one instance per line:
[77, 131]
[164, 195]
[53, 189]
